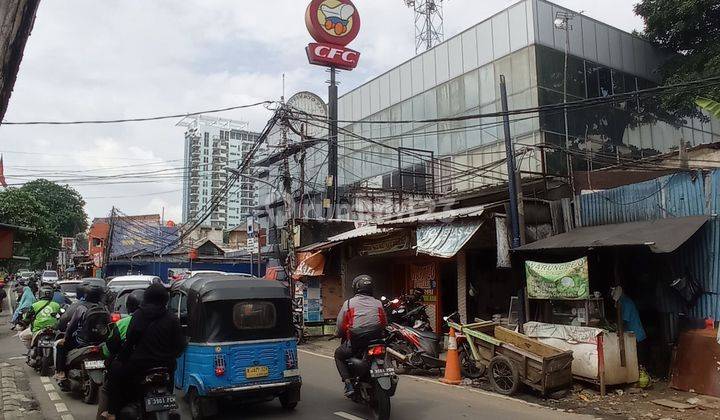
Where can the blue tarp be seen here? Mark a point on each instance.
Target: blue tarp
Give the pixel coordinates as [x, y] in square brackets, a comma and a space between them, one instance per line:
[130, 237]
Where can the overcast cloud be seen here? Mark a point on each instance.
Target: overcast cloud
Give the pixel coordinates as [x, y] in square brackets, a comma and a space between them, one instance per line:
[95, 59]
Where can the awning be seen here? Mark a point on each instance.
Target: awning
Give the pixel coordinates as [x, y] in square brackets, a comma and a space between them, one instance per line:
[661, 236]
[318, 246]
[446, 239]
[360, 232]
[431, 218]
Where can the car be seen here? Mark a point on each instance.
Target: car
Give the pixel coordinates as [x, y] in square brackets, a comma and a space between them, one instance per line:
[49, 277]
[123, 282]
[69, 288]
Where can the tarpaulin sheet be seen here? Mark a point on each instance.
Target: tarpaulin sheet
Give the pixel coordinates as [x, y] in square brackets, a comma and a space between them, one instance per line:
[445, 240]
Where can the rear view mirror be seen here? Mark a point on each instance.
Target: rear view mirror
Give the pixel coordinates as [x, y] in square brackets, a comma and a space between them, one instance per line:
[383, 298]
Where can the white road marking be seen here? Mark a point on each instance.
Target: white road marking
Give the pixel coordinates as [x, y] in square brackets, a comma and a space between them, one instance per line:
[347, 416]
[45, 379]
[316, 354]
[54, 396]
[67, 417]
[61, 407]
[49, 387]
[17, 357]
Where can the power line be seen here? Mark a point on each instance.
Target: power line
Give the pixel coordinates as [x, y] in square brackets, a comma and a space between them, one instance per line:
[139, 119]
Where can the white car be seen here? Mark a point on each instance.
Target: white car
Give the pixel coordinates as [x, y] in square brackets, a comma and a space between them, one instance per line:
[134, 281]
[49, 277]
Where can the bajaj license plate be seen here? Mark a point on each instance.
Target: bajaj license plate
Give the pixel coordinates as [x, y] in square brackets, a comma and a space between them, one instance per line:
[381, 373]
[160, 403]
[256, 372]
[45, 343]
[94, 364]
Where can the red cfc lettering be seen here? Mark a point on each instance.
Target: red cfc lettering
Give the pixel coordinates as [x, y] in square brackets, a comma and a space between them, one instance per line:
[332, 56]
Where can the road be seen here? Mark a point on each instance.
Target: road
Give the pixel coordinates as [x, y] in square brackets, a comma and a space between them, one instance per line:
[416, 398]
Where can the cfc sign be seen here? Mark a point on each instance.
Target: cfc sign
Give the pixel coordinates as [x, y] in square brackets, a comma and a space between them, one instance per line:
[333, 24]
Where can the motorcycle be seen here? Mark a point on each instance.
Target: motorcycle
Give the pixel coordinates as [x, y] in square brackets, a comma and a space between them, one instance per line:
[374, 380]
[413, 348]
[155, 401]
[85, 373]
[406, 311]
[41, 354]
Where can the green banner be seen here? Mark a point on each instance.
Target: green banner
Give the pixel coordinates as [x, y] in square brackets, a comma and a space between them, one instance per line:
[565, 281]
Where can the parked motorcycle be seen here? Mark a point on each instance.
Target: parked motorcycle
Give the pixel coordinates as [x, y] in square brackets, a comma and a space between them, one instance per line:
[41, 354]
[374, 379]
[155, 401]
[408, 311]
[412, 348]
[85, 373]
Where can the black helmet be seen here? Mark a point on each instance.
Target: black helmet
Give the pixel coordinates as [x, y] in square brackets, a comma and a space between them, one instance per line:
[134, 300]
[156, 294]
[363, 284]
[46, 293]
[80, 291]
[94, 293]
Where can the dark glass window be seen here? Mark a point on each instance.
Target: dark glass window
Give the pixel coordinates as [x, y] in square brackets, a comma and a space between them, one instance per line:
[551, 72]
[605, 82]
[245, 320]
[252, 315]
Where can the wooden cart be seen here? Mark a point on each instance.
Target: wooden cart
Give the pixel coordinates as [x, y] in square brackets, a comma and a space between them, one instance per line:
[509, 359]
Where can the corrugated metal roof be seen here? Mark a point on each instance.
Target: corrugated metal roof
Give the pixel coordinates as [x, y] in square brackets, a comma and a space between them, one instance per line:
[661, 236]
[677, 195]
[360, 232]
[318, 246]
[443, 216]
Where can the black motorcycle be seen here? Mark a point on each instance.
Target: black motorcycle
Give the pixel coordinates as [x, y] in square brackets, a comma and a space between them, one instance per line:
[412, 348]
[407, 311]
[374, 379]
[85, 373]
[155, 401]
[41, 355]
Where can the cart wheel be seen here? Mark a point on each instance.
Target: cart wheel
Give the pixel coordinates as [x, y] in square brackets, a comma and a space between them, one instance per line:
[468, 367]
[503, 375]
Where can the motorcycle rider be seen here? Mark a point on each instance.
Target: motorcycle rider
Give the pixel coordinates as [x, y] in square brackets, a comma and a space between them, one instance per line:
[114, 342]
[154, 339]
[65, 318]
[73, 333]
[361, 320]
[40, 315]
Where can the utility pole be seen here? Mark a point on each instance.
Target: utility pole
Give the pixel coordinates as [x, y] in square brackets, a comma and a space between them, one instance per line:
[108, 245]
[302, 172]
[511, 168]
[562, 22]
[330, 203]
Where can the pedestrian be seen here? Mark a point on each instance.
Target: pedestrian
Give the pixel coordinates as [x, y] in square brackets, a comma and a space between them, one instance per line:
[3, 294]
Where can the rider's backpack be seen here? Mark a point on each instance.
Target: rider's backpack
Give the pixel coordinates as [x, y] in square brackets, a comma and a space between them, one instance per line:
[94, 326]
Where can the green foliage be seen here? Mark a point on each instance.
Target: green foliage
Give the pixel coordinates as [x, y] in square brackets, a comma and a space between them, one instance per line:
[689, 30]
[51, 209]
[712, 107]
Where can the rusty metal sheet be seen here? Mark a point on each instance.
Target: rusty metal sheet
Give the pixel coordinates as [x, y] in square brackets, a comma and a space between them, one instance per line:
[696, 363]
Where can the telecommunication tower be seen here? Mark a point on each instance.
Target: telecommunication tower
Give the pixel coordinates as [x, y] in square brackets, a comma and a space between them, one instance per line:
[428, 23]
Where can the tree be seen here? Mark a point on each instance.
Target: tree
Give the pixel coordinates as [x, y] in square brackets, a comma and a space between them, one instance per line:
[689, 31]
[18, 207]
[67, 216]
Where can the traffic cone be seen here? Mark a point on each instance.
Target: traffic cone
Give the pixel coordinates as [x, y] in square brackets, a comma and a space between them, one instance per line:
[452, 362]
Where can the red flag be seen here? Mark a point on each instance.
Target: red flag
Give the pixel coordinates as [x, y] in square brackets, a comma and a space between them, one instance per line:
[2, 173]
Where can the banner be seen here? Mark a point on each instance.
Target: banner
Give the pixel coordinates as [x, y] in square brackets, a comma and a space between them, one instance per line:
[565, 281]
[309, 264]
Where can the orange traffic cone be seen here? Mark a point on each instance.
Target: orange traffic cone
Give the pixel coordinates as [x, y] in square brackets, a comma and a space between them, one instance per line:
[452, 363]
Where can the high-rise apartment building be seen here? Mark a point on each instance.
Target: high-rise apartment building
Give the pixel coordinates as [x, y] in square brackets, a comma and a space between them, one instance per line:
[211, 146]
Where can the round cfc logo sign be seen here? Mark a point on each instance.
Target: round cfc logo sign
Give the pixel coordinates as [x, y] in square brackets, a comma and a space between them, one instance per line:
[334, 22]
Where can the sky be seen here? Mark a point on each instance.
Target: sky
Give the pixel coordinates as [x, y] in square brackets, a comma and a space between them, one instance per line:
[110, 59]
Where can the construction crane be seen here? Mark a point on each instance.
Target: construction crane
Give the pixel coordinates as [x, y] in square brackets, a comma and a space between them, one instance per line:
[428, 23]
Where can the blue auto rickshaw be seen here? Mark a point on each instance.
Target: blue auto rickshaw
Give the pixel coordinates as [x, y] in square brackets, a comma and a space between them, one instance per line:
[241, 343]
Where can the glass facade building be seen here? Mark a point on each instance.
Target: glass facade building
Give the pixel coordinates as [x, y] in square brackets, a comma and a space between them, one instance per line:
[460, 77]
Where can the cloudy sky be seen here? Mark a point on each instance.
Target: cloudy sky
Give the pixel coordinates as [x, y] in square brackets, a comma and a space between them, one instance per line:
[109, 59]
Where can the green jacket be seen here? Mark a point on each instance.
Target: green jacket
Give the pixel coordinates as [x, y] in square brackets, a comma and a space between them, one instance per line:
[44, 313]
[117, 337]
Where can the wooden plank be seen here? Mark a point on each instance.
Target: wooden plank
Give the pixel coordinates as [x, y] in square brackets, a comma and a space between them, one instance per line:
[524, 342]
[673, 404]
[482, 336]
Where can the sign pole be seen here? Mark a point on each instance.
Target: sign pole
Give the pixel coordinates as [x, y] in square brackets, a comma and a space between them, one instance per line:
[512, 180]
[332, 146]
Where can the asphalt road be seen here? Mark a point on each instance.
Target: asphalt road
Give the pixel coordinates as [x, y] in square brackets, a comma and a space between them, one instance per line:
[416, 398]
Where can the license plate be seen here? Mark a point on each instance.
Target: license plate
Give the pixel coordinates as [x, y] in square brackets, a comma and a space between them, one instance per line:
[381, 373]
[160, 403]
[94, 364]
[45, 343]
[257, 372]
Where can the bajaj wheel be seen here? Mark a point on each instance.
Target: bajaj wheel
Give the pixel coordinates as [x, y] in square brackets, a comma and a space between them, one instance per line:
[90, 391]
[197, 410]
[381, 404]
[286, 403]
[504, 376]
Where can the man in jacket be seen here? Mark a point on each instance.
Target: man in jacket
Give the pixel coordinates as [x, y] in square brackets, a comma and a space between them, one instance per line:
[154, 339]
[40, 315]
[70, 311]
[361, 320]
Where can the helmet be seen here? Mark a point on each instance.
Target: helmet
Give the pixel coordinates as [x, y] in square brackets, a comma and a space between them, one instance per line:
[156, 294]
[134, 300]
[363, 284]
[46, 293]
[80, 291]
[94, 293]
